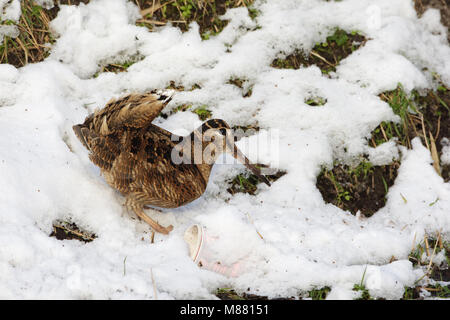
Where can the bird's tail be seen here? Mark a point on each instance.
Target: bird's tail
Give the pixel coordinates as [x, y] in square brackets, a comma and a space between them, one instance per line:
[164, 95]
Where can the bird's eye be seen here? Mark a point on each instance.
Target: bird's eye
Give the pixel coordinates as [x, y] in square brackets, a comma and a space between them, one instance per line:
[223, 131]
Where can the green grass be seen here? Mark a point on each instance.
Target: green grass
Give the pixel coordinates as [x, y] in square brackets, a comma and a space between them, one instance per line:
[440, 291]
[242, 84]
[416, 114]
[246, 183]
[228, 294]
[355, 173]
[319, 294]
[182, 12]
[253, 13]
[435, 290]
[387, 131]
[362, 169]
[357, 188]
[410, 294]
[403, 106]
[425, 115]
[401, 103]
[119, 66]
[427, 246]
[339, 37]
[365, 295]
[202, 112]
[315, 101]
[325, 55]
[342, 194]
[416, 254]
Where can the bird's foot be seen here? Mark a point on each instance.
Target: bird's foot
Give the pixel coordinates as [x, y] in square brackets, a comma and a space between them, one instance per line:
[141, 215]
[155, 225]
[163, 230]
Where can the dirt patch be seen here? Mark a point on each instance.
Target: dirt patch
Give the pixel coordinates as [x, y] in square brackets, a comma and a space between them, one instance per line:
[72, 2]
[426, 116]
[439, 274]
[442, 5]
[248, 183]
[362, 188]
[64, 230]
[325, 55]
[412, 293]
[230, 294]
[182, 12]
[436, 291]
[435, 110]
[426, 250]
[201, 111]
[247, 89]
[319, 294]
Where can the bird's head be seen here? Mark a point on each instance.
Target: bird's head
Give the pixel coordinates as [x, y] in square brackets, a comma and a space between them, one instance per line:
[217, 138]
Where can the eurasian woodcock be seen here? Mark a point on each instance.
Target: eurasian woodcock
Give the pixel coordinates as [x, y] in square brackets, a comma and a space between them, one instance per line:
[149, 165]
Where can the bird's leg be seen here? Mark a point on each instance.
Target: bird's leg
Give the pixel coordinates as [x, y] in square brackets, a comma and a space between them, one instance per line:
[138, 209]
[148, 207]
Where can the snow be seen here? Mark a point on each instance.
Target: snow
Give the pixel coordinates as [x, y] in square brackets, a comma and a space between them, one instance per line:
[384, 153]
[9, 10]
[46, 174]
[445, 157]
[47, 4]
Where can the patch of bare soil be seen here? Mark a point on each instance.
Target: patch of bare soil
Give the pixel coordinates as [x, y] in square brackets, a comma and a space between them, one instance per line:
[435, 107]
[181, 12]
[363, 188]
[325, 55]
[426, 116]
[63, 230]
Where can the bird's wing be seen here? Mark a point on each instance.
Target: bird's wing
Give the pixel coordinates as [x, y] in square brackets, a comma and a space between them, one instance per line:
[130, 111]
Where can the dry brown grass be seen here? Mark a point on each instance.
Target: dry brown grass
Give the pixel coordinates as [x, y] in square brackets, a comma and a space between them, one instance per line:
[34, 40]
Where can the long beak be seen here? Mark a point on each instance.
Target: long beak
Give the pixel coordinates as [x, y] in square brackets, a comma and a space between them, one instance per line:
[237, 154]
[78, 129]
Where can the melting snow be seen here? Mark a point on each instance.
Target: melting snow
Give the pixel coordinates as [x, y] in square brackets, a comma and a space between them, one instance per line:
[46, 175]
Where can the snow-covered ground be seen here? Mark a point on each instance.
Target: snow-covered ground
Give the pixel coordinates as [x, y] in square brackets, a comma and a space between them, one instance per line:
[45, 173]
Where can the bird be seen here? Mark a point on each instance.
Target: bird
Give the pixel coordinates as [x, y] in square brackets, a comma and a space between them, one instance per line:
[151, 167]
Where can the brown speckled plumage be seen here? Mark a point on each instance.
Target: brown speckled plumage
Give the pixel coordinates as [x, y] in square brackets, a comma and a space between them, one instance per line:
[135, 156]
